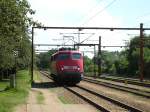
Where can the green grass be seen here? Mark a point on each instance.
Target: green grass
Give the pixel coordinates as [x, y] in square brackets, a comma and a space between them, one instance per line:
[12, 97]
[4, 85]
[90, 74]
[40, 98]
[65, 100]
[37, 76]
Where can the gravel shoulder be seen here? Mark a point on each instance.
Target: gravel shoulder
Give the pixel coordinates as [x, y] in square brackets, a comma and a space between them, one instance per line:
[51, 104]
[125, 84]
[130, 99]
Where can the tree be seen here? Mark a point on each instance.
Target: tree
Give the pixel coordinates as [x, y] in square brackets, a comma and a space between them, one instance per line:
[14, 33]
[121, 64]
[43, 59]
[107, 61]
[88, 64]
[134, 55]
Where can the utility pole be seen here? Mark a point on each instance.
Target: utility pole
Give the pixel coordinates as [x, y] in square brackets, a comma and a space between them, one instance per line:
[83, 60]
[99, 57]
[97, 28]
[141, 53]
[94, 62]
[79, 37]
[32, 52]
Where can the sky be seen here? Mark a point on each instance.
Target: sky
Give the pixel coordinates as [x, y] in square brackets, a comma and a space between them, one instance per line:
[90, 13]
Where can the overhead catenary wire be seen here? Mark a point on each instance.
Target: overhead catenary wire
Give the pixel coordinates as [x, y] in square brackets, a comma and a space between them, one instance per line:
[93, 7]
[99, 12]
[144, 15]
[140, 18]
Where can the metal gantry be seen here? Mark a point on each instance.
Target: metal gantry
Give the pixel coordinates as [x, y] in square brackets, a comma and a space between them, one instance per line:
[141, 29]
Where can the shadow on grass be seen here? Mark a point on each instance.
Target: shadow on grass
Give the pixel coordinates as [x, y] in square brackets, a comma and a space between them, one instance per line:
[4, 89]
[4, 85]
[4, 80]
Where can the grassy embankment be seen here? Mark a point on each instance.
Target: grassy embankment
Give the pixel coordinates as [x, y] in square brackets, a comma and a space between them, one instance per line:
[12, 97]
[37, 77]
[4, 85]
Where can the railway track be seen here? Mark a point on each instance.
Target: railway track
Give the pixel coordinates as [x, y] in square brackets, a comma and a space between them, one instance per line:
[125, 78]
[101, 102]
[45, 73]
[130, 81]
[135, 91]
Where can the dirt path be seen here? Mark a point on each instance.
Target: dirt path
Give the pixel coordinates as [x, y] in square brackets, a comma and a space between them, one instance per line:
[51, 103]
[48, 101]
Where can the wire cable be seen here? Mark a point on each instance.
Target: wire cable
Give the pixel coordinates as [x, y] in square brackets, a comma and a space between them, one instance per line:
[99, 12]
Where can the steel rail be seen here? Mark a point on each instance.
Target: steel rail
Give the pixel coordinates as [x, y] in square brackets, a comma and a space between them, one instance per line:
[123, 105]
[98, 81]
[130, 108]
[84, 98]
[99, 107]
[119, 87]
[129, 81]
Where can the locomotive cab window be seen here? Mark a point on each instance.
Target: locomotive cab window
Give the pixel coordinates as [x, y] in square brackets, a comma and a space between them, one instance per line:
[63, 56]
[55, 57]
[76, 56]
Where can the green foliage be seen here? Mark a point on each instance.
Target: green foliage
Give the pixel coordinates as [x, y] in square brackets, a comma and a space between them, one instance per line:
[121, 64]
[107, 61]
[88, 64]
[43, 59]
[12, 97]
[14, 39]
[134, 56]
[125, 62]
[3, 85]
[147, 62]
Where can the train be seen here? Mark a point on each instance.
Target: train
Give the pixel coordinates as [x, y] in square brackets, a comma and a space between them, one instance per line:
[66, 66]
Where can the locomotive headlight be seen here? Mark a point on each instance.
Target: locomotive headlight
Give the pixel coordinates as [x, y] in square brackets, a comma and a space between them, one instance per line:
[78, 68]
[62, 68]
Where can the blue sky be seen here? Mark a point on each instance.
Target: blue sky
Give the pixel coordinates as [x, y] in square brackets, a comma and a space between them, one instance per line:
[132, 12]
[94, 13]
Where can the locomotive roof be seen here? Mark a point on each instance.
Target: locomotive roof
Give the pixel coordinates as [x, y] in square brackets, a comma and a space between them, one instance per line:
[67, 51]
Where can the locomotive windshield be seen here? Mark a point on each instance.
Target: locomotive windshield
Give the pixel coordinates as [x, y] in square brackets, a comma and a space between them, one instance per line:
[63, 56]
[76, 56]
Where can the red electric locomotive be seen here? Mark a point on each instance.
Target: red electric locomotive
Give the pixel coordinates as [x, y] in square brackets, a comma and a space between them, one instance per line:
[67, 66]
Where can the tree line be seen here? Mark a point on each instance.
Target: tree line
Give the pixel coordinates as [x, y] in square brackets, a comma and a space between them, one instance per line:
[123, 63]
[126, 62]
[15, 40]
